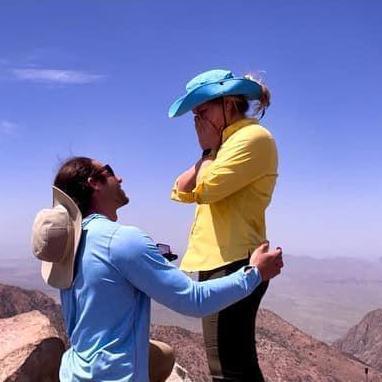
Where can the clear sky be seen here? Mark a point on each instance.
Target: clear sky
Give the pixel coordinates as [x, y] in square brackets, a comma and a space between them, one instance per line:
[96, 78]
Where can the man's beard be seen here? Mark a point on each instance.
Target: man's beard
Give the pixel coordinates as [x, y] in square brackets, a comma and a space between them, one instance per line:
[124, 199]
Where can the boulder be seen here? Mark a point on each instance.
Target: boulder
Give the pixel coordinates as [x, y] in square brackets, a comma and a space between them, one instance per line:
[15, 300]
[31, 349]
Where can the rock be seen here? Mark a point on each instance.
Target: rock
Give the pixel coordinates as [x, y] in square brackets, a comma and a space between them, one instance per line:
[179, 374]
[364, 340]
[285, 354]
[31, 349]
[188, 347]
[15, 300]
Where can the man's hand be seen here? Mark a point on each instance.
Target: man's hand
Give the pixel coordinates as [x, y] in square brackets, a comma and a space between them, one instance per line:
[209, 136]
[269, 263]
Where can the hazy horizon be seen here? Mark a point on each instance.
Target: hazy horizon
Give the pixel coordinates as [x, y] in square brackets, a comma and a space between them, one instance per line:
[322, 297]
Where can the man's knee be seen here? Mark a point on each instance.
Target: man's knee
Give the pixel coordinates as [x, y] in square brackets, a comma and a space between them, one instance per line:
[161, 362]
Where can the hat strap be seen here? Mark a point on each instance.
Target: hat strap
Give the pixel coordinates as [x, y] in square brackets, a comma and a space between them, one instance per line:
[225, 119]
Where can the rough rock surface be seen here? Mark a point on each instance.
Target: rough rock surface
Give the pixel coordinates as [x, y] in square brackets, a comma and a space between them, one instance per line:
[288, 354]
[188, 347]
[30, 349]
[178, 375]
[15, 300]
[364, 340]
[285, 354]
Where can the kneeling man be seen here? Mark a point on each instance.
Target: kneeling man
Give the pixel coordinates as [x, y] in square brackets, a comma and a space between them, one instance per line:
[108, 272]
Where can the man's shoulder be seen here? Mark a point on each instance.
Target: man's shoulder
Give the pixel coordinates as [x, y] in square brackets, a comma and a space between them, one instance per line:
[129, 231]
[128, 235]
[129, 243]
[114, 232]
[101, 223]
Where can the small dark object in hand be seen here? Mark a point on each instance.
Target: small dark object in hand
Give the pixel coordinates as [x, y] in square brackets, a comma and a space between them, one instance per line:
[165, 251]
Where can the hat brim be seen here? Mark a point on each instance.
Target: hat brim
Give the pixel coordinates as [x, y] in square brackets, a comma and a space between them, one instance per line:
[60, 274]
[207, 92]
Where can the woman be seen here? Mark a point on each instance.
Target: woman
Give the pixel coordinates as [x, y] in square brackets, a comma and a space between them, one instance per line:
[232, 184]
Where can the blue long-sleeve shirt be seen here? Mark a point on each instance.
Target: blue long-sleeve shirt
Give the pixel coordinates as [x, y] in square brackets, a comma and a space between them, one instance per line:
[107, 308]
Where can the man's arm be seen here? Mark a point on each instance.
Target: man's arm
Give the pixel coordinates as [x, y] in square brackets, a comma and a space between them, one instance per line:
[137, 258]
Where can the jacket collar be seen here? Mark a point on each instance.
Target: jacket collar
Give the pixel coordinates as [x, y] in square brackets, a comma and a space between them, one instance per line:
[231, 129]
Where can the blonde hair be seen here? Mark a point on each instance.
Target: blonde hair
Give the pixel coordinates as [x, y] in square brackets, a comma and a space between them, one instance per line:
[260, 105]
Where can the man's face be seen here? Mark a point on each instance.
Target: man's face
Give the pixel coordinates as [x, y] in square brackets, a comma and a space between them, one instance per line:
[211, 111]
[109, 188]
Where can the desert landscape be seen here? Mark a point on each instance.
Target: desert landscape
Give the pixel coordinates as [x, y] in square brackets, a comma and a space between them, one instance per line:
[321, 321]
[285, 352]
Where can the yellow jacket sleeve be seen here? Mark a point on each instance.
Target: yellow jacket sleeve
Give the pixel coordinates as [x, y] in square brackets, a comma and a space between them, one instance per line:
[237, 164]
[187, 197]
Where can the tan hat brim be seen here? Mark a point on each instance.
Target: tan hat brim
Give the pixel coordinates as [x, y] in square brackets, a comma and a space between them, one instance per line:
[60, 274]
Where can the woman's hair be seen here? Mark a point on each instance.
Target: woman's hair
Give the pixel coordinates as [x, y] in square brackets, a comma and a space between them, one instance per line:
[72, 178]
[243, 105]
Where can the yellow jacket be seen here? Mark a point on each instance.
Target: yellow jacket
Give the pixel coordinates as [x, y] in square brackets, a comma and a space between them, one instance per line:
[232, 194]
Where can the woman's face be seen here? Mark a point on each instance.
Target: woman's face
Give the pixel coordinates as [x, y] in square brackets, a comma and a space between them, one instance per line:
[211, 111]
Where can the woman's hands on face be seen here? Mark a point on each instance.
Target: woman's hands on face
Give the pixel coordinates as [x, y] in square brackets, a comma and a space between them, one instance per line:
[209, 136]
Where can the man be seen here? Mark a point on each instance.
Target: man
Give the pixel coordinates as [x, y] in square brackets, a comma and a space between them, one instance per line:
[106, 294]
[232, 184]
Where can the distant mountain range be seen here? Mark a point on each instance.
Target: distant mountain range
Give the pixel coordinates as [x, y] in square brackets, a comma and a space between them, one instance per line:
[322, 297]
[285, 352]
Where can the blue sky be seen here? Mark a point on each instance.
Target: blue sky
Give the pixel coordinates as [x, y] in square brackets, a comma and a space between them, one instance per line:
[96, 78]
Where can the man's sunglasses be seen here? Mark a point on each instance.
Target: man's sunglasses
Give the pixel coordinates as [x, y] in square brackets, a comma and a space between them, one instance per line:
[107, 168]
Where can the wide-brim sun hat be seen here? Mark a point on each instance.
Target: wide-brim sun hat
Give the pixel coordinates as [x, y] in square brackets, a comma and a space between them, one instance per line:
[214, 84]
[56, 234]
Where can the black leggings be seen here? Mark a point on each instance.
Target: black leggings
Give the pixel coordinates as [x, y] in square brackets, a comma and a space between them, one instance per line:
[229, 335]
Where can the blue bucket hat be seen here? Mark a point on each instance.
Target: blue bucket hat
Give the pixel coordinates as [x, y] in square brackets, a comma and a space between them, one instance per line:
[214, 84]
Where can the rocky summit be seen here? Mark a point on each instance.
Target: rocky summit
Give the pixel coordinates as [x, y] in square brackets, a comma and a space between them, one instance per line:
[364, 340]
[15, 300]
[31, 348]
[285, 354]
[32, 341]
